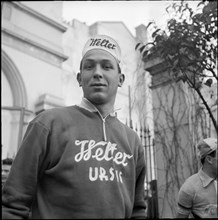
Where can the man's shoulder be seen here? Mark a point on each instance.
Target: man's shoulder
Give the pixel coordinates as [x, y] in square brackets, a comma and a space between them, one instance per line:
[127, 128]
[193, 179]
[191, 182]
[54, 114]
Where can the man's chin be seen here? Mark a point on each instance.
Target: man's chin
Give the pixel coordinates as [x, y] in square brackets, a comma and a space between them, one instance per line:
[4, 179]
[98, 99]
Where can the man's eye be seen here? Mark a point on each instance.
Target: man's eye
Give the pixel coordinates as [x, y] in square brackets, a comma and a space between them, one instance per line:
[88, 66]
[107, 67]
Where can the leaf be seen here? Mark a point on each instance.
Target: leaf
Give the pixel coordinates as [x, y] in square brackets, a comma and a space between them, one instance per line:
[149, 44]
[209, 82]
[171, 22]
[149, 24]
[175, 63]
[184, 78]
[200, 4]
[137, 45]
[142, 48]
[167, 8]
[158, 38]
[145, 53]
[155, 33]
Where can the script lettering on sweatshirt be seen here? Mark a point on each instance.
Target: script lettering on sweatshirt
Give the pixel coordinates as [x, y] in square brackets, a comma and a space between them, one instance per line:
[102, 150]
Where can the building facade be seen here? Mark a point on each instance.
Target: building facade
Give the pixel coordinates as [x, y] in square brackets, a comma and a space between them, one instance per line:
[180, 121]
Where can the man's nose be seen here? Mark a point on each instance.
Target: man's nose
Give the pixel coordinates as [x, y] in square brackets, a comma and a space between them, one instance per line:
[4, 173]
[98, 71]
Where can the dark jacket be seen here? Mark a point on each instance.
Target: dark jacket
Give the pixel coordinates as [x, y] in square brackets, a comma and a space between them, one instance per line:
[72, 163]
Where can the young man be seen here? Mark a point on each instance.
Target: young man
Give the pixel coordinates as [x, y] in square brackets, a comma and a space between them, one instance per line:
[6, 166]
[80, 161]
[198, 195]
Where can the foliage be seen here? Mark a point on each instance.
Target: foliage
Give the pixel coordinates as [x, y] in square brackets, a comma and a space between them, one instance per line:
[188, 45]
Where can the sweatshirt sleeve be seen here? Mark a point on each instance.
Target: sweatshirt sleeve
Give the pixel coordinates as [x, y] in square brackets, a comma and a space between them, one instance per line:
[20, 187]
[139, 203]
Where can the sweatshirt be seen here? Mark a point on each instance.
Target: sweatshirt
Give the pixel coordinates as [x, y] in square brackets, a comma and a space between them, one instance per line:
[73, 163]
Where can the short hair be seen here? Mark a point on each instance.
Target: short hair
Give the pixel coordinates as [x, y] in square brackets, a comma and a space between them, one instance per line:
[7, 161]
[212, 154]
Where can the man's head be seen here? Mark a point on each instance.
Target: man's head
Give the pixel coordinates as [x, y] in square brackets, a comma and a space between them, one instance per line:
[6, 166]
[207, 153]
[100, 74]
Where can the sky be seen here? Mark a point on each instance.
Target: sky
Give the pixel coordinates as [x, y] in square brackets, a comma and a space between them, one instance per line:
[132, 13]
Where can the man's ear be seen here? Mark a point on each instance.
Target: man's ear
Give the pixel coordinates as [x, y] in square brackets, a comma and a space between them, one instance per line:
[209, 159]
[78, 77]
[121, 79]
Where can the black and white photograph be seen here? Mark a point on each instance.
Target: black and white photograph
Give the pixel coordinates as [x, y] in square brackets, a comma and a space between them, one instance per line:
[109, 109]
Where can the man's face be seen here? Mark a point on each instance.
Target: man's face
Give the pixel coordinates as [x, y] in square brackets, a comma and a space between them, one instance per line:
[212, 160]
[99, 77]
[214, 164]
[5, 171]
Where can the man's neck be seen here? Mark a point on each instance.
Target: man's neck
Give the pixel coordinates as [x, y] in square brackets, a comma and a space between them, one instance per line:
[104, 109]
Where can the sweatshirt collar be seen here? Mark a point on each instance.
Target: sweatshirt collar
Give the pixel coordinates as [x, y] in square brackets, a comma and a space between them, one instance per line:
[205, 179]
[86, 104]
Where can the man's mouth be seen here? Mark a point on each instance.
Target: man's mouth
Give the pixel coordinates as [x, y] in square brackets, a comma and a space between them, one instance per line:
[98, 85]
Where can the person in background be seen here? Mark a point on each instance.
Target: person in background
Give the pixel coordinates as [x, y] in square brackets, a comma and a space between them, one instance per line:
[198, 194]
[80, 161]
[147, 197]
[6, 166]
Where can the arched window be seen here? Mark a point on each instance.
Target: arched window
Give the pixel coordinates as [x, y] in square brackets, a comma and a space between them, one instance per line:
[13, 107]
